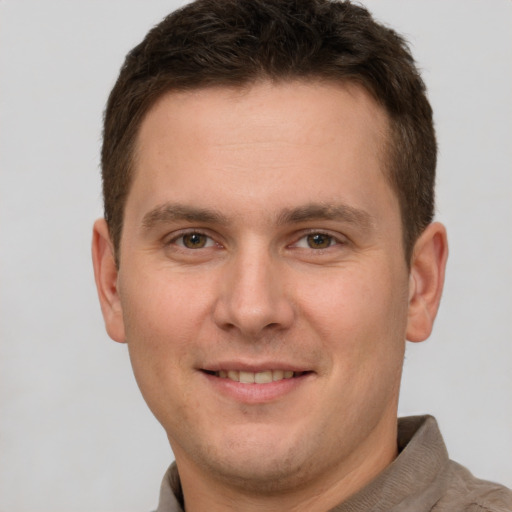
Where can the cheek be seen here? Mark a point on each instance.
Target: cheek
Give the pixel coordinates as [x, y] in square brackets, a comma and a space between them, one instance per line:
[163, 317]
[163, 305]
[360, 315]
[159, 331]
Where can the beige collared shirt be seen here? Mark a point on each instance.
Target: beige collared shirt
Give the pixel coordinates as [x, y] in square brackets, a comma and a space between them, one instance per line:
[421, 479]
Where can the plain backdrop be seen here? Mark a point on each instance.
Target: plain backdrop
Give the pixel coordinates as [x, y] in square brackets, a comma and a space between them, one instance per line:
[75, 435]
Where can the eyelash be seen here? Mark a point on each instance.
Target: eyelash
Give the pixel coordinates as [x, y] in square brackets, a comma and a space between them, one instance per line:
[175, 240]
[179, 240]
[332, 240]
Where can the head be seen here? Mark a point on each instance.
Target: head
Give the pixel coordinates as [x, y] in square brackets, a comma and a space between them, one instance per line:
[268, 175]
[234, 43]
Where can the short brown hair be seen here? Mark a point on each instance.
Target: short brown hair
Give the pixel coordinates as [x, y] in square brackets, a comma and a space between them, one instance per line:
[236, 42]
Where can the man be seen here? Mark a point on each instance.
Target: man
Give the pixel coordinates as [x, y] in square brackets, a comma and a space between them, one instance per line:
[267, 248]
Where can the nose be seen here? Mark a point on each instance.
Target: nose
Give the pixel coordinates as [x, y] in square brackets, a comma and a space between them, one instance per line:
[254, 297]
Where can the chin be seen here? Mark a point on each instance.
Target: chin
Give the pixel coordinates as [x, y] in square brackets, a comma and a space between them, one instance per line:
[261, 475]
[258, 463]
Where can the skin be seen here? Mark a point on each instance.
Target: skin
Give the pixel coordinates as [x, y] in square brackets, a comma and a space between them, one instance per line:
[261, 233]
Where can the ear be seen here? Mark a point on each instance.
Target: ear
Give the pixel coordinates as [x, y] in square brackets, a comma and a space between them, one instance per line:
[105, 274]
[426, 281]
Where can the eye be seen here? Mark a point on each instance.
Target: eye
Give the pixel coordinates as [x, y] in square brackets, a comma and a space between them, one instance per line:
[319, 241]
[194, 240]
[316, 240]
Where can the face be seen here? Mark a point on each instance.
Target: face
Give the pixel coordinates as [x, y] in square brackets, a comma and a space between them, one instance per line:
[263, 290]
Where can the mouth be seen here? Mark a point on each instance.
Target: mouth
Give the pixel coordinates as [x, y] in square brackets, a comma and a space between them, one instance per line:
[261, 377]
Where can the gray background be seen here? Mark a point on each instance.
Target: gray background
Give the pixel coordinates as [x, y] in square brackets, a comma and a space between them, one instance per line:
[75, 434]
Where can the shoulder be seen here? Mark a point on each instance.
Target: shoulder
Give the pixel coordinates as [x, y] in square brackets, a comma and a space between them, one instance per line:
[465, 493]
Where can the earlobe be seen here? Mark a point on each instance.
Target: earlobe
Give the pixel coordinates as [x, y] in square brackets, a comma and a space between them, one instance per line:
[105, 274]
[426, 281]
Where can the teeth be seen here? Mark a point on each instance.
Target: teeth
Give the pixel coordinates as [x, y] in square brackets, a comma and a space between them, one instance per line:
[256, 377]
[277, 374]
[233, 375]
[263, 377]
[247, 377]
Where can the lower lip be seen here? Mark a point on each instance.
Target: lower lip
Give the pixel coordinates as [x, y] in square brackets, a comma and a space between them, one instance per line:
[256, 393]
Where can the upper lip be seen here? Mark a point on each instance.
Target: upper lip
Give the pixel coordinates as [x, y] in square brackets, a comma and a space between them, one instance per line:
[254, 366]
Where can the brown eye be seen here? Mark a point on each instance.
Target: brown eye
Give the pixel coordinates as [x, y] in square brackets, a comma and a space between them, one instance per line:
[319, 241]
[194, 240]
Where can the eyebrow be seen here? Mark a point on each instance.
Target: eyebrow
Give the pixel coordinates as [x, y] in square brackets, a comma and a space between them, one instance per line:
[321, 211]
[170, 212]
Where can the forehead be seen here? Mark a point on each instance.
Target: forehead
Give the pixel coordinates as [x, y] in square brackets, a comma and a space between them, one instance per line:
[262, 96]
[264, 112]
[261, 140]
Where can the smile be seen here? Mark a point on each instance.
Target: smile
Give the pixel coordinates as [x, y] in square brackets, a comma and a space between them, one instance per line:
[263, 377]
[256, 385]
